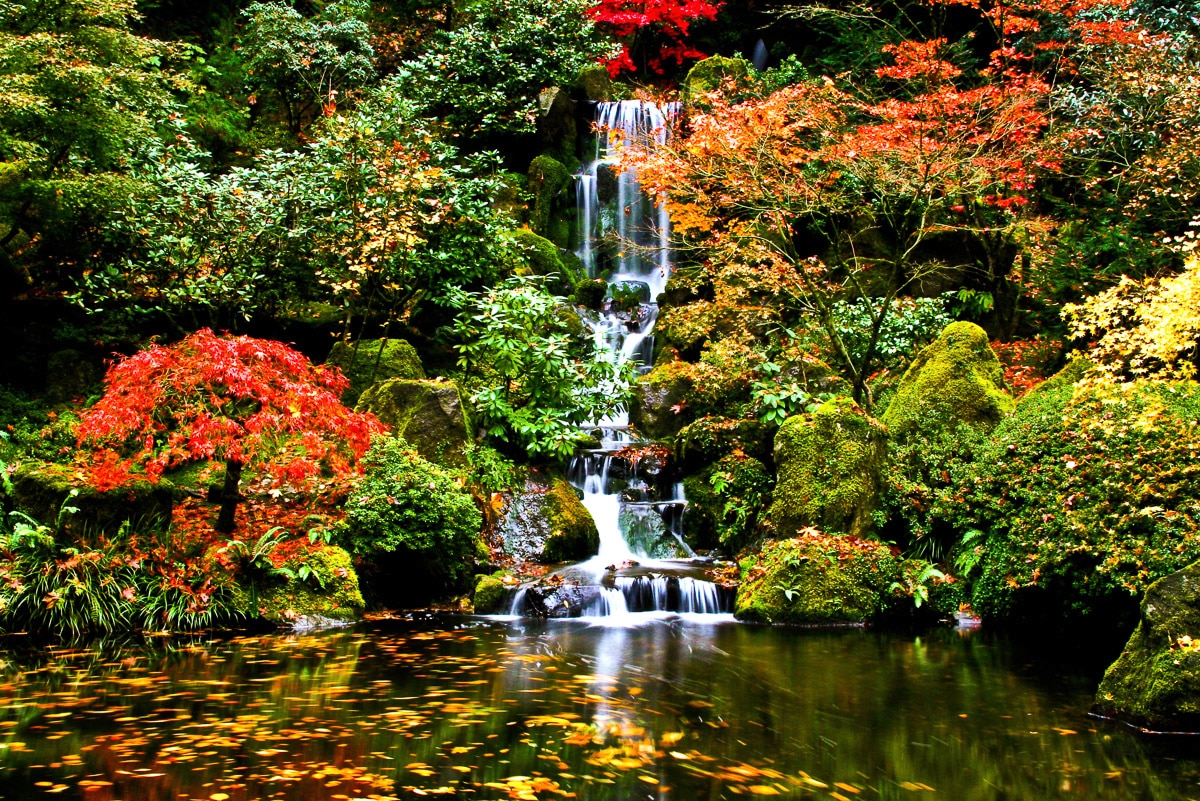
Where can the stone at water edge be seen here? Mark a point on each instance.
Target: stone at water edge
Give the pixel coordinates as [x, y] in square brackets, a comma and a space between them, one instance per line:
[489, 595]
[957, 380]
[1155, 683]
[828, 470]
[546, 522]
[431, 415]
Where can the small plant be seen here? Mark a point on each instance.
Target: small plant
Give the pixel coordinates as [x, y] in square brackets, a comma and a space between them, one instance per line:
[255, 562]
[918, 588]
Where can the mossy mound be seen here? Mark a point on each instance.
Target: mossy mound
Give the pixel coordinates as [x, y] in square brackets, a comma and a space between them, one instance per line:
[370, 361]
[710, 74]
[816, 579]
[594, 84]
[40, 490]
[660, 405]
[488, 597]
[828, 465]
[702, 443]
[431, 415]
[1155, 683]
[328, 589]
[547, 522]
[536, 255]
[1078, 501]
[548, 180]
[590, 293]
[957, 380]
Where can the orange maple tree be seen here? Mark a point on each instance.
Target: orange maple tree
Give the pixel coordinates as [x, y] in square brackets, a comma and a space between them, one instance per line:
[250, 402]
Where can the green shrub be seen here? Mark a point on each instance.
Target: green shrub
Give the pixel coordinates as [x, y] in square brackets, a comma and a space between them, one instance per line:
[413, 508]
[1083, 497]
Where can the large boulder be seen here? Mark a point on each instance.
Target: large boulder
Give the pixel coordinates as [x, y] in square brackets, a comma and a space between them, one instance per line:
[42, 490]
[370, 361]
[828, 465]
[536, 255]
[1155, 683]
[431, 415]
[661, 401]
[957, 380]
[548, 181]
[817, 579]
[710, 74]
[547, 522]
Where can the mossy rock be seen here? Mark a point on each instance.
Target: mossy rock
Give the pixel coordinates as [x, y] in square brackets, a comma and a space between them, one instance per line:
[593, 84]
[957, 380]
[829, 467]
[331, 592]
[1155, 683]
[536, 255]
[547, 522]
[659, 408]
[702, 443]
[40, 490]
[548, 180]
[489, 596]
[816, 579]
[591, 292]
[710, 74]
[370, 361]
[431, 415]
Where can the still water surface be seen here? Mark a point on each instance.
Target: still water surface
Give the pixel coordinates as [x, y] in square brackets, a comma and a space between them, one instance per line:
[666, 709]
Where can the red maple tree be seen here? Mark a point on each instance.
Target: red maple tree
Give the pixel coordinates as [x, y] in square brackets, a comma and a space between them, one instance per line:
[250, 402]
[655, 28]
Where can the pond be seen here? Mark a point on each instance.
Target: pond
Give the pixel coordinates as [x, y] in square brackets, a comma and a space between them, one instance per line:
[662, 708]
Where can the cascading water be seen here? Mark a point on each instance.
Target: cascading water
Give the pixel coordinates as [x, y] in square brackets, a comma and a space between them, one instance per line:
[643, 564]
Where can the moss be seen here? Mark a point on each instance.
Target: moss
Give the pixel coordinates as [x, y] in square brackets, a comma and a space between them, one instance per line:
[829, 465]
[40, 490]
[957, 380]
[1155, 683]
[572, 531]
[331, 591]
[816, 579]
[594, 84]
[590, 293]
[431, 415]
[370, 361]
[548, 178]
[711, 73]
[660, 400]
[489, 595]
[539, 256]
[703, 442]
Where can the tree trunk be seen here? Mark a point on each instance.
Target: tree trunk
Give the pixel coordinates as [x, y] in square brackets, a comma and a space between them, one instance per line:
[229, 496]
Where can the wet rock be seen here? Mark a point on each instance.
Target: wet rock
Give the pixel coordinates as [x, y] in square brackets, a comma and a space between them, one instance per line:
[431, 415]
[489, 596]
[1155, 683]
[659, 408]
[629, 295]
[547, 522]
[558, 600]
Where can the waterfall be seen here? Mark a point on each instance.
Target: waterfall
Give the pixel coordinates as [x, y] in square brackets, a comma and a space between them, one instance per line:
[643, 564]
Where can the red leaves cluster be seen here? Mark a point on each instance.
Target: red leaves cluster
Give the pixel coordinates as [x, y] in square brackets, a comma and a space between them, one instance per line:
[668, 19]
[252, 401]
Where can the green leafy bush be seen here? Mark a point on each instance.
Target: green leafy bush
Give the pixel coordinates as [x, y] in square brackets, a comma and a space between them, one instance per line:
[1083, 497]
[408, 506]
[540, 382]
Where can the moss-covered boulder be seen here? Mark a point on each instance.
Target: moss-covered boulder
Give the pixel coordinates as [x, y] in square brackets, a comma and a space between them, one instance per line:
[489, 595]
[702, 443]
[431, 415]
[370, 361]
[548, 181]
[829, 465]
[536, 255]
[725, 502]
[710, 74]
[817, 579]
[593, 84]
[957, 380]
[547, 522]
[322, 586]
[590, 293]
[661, 400]
[41, 490]
[1155, 683]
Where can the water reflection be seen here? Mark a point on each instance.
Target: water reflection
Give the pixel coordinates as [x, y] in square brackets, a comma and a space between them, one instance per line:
[672, 708]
